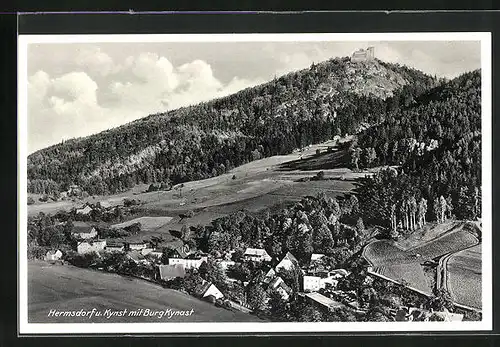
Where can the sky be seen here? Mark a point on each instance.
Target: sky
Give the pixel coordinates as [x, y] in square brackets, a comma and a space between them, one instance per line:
[78, 89]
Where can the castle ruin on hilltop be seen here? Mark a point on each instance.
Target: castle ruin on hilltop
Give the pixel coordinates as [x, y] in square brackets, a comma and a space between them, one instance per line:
[363, 55]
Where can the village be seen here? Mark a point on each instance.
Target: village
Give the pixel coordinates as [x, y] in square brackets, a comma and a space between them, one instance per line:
[176, 263]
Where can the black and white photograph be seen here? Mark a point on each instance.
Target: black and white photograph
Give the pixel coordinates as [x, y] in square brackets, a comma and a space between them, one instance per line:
[255, 182]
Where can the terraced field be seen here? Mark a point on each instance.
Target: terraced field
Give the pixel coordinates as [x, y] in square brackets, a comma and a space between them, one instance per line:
[412, 273]
[459, 268]
[453, 241]
[463, 271]
[386, 253]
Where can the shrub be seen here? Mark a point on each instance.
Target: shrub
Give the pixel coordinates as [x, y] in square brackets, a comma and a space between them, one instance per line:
[31, 201]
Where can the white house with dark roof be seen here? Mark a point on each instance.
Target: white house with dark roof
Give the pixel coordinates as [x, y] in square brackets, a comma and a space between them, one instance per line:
[256, 254]
[84, 230]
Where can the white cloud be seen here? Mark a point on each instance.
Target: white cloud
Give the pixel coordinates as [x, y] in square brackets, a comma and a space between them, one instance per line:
[68, 106]
[93, 59]
[153, 84]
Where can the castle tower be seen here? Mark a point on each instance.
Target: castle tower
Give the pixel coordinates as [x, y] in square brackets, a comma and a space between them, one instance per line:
[370, 53]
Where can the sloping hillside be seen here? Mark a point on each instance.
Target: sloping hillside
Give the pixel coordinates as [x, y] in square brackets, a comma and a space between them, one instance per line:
[437, 144]
[301, 108]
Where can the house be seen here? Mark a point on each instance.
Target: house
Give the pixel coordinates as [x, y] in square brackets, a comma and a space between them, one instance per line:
[169, 272]
[53, 255]
[84, 230]
[269, 276]
[338, 273]
[136, 246]
[224, 264]
[190, 262]
[316, 256]
[84, 210]
[206, 289]
[115, 247]
[288, 262]
[136, 257]
[280, 286]
[90, 246]
[152, 251]
[256, 254]
[180, 252]
[156, 253]
[315, 283]
[74, 190]
[104, 204]
[323, 301]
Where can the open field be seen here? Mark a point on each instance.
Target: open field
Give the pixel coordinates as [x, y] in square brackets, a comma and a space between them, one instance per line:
[463, 275]
[452, 241]
[67, 288]
[386, 253]
[411, 273]
[147, 223]
[459, 268]
[256, 186]
[429, 232]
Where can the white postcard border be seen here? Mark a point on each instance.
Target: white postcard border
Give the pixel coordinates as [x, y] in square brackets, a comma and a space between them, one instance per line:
[271, 327]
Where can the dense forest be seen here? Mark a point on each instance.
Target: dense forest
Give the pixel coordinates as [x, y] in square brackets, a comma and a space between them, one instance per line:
[436, 146]
[336, 97]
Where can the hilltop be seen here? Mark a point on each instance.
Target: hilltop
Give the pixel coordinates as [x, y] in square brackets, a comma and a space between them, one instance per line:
[335, 97]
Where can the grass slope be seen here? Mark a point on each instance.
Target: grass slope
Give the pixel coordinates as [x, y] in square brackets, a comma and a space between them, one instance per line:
[69, 288]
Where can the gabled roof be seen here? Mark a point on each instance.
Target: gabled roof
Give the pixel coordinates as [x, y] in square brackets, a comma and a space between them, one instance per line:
[82, 227]
[290, 257]
[181, 252]
[277, 282]
[105, 204]
[54, 252]
[269, 276]
[84, 209]
[171, 271]
[114, 244]
[203, 287]
[135, 256]
[341, 272]
[256, 252]
[316, 256]
[323, 300]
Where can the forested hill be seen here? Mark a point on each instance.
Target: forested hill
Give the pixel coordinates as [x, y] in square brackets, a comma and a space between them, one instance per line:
[437, 144]
[191, 143]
